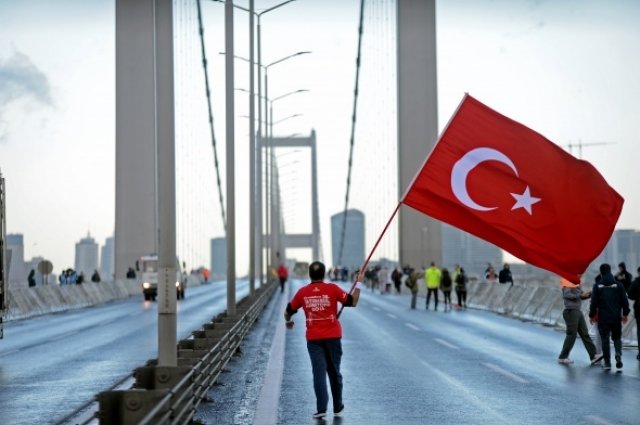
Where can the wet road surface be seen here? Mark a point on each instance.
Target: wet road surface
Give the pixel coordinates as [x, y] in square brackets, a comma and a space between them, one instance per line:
[50, 365]
[403, 366]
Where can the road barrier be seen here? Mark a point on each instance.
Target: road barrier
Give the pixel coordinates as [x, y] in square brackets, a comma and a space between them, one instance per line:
[24, 302]
[533, 301]
[171, 395]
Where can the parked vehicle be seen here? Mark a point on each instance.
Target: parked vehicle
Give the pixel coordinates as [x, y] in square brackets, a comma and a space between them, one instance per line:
[148, 275]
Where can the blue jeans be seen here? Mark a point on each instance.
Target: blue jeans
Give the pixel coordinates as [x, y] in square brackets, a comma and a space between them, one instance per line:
[325, 355]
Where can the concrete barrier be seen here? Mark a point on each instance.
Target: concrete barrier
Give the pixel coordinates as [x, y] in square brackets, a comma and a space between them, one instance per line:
[24, 302]
[540, 303]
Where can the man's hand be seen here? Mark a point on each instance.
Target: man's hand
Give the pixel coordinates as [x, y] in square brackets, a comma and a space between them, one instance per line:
[290, 324]
[625, 319]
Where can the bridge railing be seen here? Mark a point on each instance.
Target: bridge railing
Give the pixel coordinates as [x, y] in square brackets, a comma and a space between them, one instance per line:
[171, 395]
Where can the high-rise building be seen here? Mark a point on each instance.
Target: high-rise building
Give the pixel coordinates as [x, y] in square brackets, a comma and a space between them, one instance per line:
[86, 256]
[17, 269]
[472, 253]
[353, 250]
[218, 258]
[106, 260]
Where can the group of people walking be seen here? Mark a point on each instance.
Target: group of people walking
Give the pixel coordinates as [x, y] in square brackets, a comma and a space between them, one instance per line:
[608, 310]
[436, 279]
[380, 278]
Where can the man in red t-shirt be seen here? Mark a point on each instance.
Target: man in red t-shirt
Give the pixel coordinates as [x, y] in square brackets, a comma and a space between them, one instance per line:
[283, 274]
[319, 301]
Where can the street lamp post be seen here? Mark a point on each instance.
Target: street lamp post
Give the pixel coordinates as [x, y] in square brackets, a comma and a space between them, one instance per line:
[252, 158]
[275, 99]
[270, 256]
[230, 123]
[256, 165]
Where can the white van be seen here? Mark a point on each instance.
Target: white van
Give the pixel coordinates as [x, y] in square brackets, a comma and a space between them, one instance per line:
[149, 278]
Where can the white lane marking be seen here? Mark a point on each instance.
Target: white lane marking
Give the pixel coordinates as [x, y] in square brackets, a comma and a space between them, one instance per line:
[446, 344]
[506, 373]
[376, 308]
[412, 326]
[597, 420]
[267, 408]
[462, 388]
[393, 316]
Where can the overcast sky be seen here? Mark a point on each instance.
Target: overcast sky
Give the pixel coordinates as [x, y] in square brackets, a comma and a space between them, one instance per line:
[568, 69]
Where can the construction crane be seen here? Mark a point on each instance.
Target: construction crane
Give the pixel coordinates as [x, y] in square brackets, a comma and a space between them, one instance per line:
[580, 145]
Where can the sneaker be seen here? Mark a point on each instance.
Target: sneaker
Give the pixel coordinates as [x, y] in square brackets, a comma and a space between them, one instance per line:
[339, 412]
[565, 361]
[606, 366]
[618, 361]
[319, 415]
[597, 358]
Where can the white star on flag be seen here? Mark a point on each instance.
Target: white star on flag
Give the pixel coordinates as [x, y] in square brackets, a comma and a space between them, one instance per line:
[525, 201]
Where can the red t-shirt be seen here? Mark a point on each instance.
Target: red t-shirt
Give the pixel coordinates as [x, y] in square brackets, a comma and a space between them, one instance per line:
[319, 301]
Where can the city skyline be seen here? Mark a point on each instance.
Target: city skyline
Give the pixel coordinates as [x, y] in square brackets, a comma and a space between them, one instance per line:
[566, 70]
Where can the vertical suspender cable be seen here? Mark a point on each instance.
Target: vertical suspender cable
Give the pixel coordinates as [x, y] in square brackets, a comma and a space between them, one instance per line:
[352, 139]
[213, 135]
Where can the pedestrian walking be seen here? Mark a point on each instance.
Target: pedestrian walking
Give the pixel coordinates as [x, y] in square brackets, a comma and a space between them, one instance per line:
[396, 276]
[572, 296]
[31, 279]
[490, 274]
[319, 301]
[594, 333]
[624, 277]
[445, 285]
[432, 281]
[505, 275]
[609, 301]
[412, 284]
[131, 273]
[95, 277]
[283, 275]
[461, 286]
[634, 294]
[384, 279]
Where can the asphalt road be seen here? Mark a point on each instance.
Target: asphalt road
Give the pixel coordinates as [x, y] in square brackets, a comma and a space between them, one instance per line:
[403, 366]
[51, 365]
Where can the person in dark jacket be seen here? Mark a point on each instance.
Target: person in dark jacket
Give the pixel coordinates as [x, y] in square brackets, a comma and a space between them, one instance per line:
[460, 278]
[609, 301]
[624, 276]
[505, 275]
[445, 286]
[634, 294]
[396, 276]
[32, 278]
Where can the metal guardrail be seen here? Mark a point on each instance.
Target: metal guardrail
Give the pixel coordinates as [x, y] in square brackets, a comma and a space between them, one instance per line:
[4, 266]
[171, 395]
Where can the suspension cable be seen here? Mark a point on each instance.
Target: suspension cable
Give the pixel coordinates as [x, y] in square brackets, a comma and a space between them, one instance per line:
[213, 135]
[353, 131]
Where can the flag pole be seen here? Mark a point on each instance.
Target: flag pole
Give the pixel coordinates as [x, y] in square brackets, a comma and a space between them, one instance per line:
[375, 246]
[366, 263]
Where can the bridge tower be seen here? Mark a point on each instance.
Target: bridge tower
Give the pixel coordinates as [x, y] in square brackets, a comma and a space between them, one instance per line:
[420, 236]
[280, 242]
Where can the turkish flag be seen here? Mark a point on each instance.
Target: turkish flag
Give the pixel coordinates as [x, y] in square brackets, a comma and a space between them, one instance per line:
[507, 184]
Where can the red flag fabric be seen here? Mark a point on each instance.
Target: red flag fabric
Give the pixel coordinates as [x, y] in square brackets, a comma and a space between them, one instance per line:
[507, 184]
